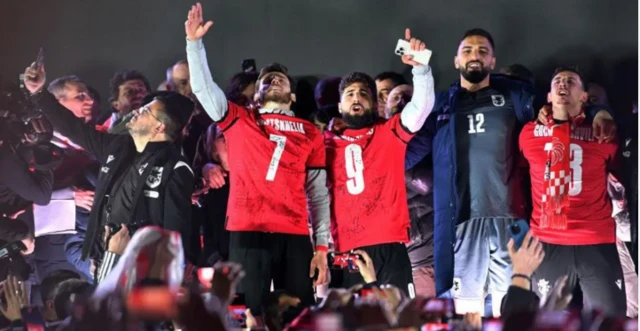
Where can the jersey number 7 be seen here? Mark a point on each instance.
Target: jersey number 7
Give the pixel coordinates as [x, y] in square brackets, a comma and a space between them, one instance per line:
[277, 154]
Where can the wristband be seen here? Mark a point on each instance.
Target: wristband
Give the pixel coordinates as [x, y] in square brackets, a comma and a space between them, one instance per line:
[521, 276]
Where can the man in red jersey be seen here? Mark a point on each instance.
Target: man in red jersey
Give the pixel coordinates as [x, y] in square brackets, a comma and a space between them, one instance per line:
[365, 159]
[277, 166]
[571, 208]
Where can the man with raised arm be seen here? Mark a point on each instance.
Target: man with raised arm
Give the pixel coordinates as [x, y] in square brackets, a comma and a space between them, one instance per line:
[366, 173]
[278, 164]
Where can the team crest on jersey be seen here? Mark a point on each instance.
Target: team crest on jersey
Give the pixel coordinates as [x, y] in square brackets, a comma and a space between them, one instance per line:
[557, 151]
[543, 287]
[155, 177]
[498, 100]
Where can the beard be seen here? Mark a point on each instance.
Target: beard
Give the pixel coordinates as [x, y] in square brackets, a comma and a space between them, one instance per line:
[265, 97]
[136, 129]
[474, 76]
[368, 118]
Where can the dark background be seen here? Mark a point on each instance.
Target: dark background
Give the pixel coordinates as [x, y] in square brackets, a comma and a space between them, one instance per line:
[95, 38]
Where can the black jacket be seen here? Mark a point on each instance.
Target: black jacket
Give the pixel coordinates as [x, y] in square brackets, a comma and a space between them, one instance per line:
[19, 187]
[163, 193]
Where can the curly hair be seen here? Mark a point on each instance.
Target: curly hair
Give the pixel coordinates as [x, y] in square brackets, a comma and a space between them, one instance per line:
[120, 78]
[359, 77]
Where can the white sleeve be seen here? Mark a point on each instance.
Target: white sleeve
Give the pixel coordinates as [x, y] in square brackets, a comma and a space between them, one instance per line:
[415, 113]
[205, 89]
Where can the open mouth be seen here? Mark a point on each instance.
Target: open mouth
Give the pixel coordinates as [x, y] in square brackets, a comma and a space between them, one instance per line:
[563, 92]
[474, 66]
[357, 109]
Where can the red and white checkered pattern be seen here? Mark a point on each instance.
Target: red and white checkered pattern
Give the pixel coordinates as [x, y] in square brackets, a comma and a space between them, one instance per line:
[558, 184]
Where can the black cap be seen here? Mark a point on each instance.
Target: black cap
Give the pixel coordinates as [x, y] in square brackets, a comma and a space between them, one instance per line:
[175, 105]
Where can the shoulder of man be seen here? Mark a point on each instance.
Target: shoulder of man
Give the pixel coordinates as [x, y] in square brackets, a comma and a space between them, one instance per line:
[442, 100]
[178, 162]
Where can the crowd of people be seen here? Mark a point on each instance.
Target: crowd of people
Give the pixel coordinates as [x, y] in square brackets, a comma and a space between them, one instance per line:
[389, 206]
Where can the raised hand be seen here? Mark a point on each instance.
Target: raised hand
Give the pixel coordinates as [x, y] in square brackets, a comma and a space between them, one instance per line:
[226, 277]
[193, 26]
[34, 78]
[15, 297]
[560, 295]
[415, 44]
[367, 269]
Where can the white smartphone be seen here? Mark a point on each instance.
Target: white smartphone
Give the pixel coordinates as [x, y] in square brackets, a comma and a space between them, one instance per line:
[404, 47]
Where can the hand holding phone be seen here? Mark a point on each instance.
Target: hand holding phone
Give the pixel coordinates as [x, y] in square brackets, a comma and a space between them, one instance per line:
[529, 255]
[34, 76]
[40, 59]
[518, 231]
[412, 50]
[344, 261]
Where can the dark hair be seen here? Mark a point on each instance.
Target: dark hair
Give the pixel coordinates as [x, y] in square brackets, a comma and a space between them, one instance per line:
[62, 297]
[359, 77]
[481, 33]
[122, 77]
[277, 67]
[57, 86]
[326, 92]
[176, 112]
[212, 134]
[95, 95]
[237, 84]
[521, 72]
[49, 283]
[395, 77]
[573, 69]
[321, 116]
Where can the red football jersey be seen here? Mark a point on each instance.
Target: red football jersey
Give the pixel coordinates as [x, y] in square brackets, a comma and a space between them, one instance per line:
[366, 184]
[269, 153]
[589, 213]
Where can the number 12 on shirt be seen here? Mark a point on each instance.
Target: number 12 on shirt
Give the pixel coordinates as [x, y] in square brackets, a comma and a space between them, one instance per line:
[355, 169]
[277, 154]
[575, 187]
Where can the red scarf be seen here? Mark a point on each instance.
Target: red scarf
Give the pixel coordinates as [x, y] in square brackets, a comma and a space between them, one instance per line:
[557, 175]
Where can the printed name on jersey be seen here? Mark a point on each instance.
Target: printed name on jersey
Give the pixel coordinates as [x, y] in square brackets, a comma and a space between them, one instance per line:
[282, 125]
[582, 133]
[350, 138]
[542, 131]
